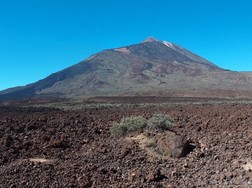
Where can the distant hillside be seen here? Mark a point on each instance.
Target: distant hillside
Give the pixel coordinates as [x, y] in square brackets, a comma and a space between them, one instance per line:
[151, 68]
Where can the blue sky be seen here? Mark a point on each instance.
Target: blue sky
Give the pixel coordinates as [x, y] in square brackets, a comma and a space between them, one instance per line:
[39, 37]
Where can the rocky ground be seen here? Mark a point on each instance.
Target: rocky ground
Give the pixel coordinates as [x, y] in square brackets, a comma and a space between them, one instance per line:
[42, 147]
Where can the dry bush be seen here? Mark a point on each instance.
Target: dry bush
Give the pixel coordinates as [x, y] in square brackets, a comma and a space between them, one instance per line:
[128, 124]
[160, 122]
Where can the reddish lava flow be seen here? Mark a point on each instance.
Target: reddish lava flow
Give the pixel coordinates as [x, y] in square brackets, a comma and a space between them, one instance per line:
[42, 147]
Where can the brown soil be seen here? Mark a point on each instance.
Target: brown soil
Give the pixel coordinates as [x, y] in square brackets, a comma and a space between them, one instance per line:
[41, 147]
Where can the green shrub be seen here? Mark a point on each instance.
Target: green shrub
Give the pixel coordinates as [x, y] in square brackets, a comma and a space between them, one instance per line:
[118, 129]
[128, 124]
[160, 122]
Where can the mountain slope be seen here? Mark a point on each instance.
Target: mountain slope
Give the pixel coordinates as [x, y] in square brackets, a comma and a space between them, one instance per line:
[150, 68]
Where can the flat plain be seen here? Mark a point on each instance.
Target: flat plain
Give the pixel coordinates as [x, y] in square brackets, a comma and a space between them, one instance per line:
[67, 144]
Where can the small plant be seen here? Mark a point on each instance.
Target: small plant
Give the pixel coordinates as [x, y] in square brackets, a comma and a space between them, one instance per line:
[118, 129]
[160, 122]
[128, 124]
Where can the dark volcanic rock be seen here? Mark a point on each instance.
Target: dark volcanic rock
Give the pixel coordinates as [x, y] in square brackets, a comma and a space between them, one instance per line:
[94, 158]
[154, 176]
[84, 181]
[171, 144]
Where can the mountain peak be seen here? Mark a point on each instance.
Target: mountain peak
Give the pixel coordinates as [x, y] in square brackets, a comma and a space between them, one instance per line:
[151, 39]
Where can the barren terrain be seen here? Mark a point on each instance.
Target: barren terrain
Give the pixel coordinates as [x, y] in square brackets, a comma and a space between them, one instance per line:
[46, 147]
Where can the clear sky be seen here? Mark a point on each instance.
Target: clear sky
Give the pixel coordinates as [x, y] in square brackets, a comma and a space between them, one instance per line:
[39, 37]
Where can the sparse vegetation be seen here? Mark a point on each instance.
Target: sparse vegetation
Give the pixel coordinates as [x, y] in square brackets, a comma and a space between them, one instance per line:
[158, 122]
[128, 124]
[98, 159]
[119, 129]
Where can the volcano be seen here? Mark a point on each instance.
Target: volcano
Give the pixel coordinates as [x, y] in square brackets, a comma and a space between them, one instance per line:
[150, 68]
